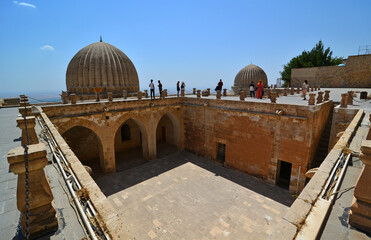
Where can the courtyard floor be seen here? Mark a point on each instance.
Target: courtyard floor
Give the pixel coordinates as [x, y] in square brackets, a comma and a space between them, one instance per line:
[184, 196]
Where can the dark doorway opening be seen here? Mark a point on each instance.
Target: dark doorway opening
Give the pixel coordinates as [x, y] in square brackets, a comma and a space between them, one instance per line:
[220, 154]
[284, 174]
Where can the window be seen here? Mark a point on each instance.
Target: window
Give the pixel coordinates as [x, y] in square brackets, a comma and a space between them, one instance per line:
[125, 133]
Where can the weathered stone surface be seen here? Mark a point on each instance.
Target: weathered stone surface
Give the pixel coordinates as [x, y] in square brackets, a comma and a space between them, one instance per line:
[30, 132]
[73, 98]
[312, 99]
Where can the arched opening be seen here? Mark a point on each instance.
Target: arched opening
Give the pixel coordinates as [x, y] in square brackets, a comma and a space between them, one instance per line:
[167, 135]
[130, 145]
[87, 147]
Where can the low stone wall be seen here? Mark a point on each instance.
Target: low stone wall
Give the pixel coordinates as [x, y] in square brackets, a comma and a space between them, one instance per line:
[106, 213]
[296, 216]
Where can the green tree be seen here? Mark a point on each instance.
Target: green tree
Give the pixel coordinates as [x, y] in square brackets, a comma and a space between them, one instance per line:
[318, 56]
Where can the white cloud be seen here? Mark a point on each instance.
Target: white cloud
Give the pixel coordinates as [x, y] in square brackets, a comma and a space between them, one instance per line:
[24, 4]
[47, 48]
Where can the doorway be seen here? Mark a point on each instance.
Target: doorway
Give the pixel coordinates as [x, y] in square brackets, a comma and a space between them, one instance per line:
[284, 174]
[220, 154]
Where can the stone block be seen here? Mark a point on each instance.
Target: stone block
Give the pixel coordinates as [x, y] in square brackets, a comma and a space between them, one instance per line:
[298, 211]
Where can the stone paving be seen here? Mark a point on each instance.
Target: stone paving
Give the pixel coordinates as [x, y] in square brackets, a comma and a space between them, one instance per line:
[183, 196]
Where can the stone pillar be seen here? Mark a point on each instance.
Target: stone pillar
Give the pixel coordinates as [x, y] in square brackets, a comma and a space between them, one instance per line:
[74, 98]
[125, 94]
[194, 91]
[344, 100]
[42, 216]
[319, 88]
[242, 95]
[350, 97]
[64, 97]
[315, 88]
[285, 92]
[162, 94]
[275, 86]
[218, 94]
[32, 136]
[146, 93]
[26, 111]
[292, 91]
[277, 93]
[165, 92]
[273, 97]
[198, 93]
[140, 95]
[182, 92]
[208, 91]
[327, 95]
[224, 92]
[360, 211]
[298, 90]
[269, 93]
[312, 98]
[320, 97]
[311, 89]
[110, 97]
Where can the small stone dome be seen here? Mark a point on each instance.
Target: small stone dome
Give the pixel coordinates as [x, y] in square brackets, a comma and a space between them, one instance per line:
[101, 65]
[246, 75]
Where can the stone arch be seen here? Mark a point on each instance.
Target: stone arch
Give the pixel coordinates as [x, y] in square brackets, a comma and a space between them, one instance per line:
[87, 146]
[167, 133]
[133, 151]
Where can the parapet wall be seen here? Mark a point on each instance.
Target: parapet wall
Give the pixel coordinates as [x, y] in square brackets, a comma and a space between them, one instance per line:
[296, 217]
[355, 74]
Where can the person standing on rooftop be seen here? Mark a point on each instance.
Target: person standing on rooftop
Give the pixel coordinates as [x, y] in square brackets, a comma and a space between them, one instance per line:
[177, 88]
[152, 89]
[305, 89]
[252, 89]
[160, 87]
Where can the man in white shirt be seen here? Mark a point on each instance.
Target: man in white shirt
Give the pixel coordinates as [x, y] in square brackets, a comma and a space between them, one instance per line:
[152, 89]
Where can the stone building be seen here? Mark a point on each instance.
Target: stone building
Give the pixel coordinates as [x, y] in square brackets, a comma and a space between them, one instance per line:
[248, 74]
[356, 73]
[101, 65]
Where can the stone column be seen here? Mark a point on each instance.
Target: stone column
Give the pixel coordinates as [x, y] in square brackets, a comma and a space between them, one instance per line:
[312, 98]
[320, 97]
[315, 88]
[198, 93]
[125, 94]
[194, 91]
[110, 97]
[140, 95]
[327, 95]
[360, 211]
[165, 92]
[350, 97]
[319, 88]
[208, 91]
[285, 92]
[162, 94]
[275, 86]
[224, 92]
[269, 93]
[344, 100]
[218, 94]
[64, 97]
[74, 98]
[242, 95]
[182, 92]
[298, 90]
[273, 97]
[146, 93]
[311, 89]
[277, 93]
[42, 213]
[292, 91]
[32, 137]
[26, 111]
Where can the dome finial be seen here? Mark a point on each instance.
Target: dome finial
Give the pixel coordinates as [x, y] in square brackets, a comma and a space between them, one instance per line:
[100, 39]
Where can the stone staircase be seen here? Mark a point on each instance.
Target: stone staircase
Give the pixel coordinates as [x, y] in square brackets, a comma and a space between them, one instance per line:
[323, 144]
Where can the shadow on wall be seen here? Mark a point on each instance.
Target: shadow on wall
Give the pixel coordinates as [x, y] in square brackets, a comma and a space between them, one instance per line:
[111, 184]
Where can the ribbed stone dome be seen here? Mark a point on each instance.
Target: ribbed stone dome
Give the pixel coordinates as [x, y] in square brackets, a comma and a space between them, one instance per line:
[101, 65]
[250, 73]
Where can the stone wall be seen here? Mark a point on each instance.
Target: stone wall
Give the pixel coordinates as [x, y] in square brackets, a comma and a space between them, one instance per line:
[341, 118]
[355, 74]
[255, 136]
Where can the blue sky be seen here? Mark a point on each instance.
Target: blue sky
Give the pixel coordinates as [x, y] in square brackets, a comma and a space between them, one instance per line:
[198, 42]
